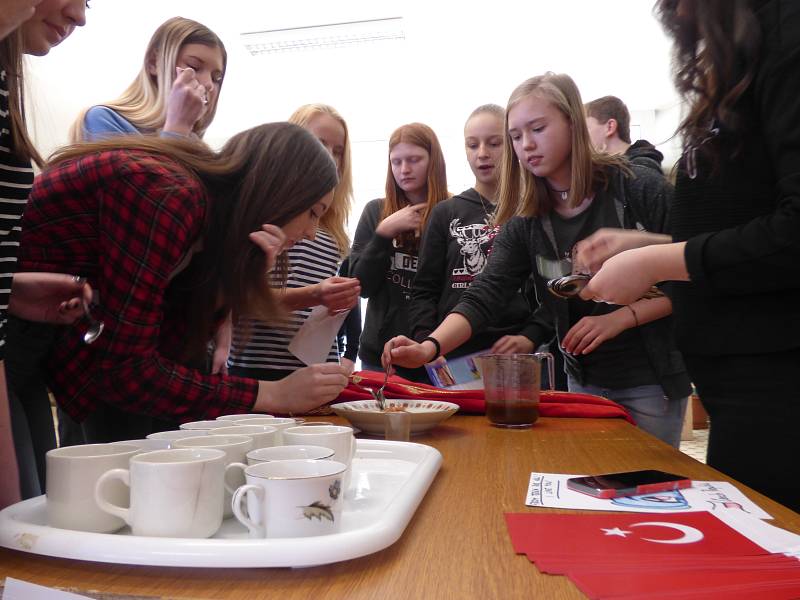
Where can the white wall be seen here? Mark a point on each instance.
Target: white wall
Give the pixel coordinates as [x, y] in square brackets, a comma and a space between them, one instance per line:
[456, 56]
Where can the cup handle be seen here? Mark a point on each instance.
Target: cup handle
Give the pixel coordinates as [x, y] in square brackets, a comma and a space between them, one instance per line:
[256, 530]
[547, 357]
[118, 511]
[229, 488]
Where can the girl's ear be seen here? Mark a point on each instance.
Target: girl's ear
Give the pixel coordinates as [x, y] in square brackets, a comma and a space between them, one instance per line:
[151, 65]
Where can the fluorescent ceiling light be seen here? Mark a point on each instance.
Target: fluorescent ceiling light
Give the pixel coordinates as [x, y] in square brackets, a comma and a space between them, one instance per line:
[324, 37]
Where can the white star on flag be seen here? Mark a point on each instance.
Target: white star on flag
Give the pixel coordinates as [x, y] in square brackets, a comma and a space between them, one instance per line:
[616, 531]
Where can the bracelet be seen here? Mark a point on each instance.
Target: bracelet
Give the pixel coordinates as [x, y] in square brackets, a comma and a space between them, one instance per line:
[438, 346]
[633, 312]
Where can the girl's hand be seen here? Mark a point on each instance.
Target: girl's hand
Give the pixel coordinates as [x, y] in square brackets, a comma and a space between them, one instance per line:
[349, 365]
[15, 13]
[303, 390]
[589, 254]
[186, 103]
[338, 293]
[512, 344]
[588, 333]
[222, 347]
[271, 240]
[408, 218]
[49, 297]
[405, 352]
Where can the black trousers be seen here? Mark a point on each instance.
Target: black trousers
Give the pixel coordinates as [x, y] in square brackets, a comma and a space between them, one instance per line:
[27, 344]
[753, 402]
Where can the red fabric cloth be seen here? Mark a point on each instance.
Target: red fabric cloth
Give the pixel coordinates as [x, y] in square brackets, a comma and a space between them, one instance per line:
[551, 403]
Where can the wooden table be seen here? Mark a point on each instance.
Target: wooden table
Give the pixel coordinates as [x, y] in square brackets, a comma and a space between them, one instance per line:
[456, 545]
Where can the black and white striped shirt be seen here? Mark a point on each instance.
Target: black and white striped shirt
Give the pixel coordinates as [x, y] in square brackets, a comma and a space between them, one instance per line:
[268, 346]
[16, 180]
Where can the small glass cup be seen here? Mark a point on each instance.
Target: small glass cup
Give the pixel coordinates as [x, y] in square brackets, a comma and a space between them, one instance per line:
[397, 426]
[511, 384]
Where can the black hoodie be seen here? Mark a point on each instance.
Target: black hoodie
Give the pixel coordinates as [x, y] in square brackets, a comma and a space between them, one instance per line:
[643, 153]
[454, 250]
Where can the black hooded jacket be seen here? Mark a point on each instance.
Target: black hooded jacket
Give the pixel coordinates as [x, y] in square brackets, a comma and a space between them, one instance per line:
[643, 153]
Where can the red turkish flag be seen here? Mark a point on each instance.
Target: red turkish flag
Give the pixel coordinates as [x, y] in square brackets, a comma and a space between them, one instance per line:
[639, 534]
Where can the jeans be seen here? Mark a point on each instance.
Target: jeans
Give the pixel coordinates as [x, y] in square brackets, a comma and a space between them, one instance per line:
[650, 408]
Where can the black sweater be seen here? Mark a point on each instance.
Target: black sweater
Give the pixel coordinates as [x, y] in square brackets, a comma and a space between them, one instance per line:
[386, 274]
[742, 221]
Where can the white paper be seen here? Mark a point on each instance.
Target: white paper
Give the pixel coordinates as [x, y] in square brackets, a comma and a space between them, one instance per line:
[312, 342]
[16, 589]
[550, 490]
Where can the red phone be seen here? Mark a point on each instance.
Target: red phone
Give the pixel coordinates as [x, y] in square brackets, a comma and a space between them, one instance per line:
[632, 483]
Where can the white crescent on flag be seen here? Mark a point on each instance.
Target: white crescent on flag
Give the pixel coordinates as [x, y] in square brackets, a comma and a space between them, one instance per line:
[690, 534]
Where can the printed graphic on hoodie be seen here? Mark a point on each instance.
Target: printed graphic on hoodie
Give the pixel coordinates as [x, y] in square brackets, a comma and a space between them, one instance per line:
[475, 241]
[401, 272]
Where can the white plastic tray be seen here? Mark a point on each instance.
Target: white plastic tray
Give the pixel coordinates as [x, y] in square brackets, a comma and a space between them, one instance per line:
[389, 481]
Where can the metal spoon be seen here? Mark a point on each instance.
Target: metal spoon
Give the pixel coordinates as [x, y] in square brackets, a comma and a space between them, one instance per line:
[95, 327]
[379, 393]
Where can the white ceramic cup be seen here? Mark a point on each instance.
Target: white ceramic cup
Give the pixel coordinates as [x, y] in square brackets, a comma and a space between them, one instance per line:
[146, 445]
[292, 498]
[243, 416]
[235, 448]
[174, 493]
[204, 425]
[263, 436]
[337, 437]
[279, 423]
[72, 472]
[177, 434]
[274, 453]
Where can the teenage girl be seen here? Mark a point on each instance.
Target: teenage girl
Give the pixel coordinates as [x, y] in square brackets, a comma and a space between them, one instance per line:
[458, 241]
[175, 93]
[32, 28]
[386, 246]
[260, 350]
[567, 191]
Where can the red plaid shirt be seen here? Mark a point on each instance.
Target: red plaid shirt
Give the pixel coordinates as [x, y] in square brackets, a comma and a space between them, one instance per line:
[125, 220]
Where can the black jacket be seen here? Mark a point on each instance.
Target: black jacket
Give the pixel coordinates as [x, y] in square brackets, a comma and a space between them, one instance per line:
[455, 247]
[524, 245]
[644, 154]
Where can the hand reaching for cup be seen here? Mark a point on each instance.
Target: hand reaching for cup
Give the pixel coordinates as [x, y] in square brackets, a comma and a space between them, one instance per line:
[186, 103]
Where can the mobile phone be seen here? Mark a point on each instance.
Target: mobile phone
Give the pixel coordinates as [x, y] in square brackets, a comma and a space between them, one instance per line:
[632, 483]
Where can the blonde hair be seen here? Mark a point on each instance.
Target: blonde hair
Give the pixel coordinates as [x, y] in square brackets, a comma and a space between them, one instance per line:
[334, 221]
[144, 102]
[523, 193]
[422, 136]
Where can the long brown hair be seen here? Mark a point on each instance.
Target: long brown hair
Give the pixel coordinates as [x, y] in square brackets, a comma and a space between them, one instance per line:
[521, 192]
[267, 174]
[716, 48]
[334, 221]
[144, 102]
[11, 51]
[423, 136]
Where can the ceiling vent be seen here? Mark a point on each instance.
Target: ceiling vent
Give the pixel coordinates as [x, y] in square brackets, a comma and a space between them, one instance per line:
[324, 37]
